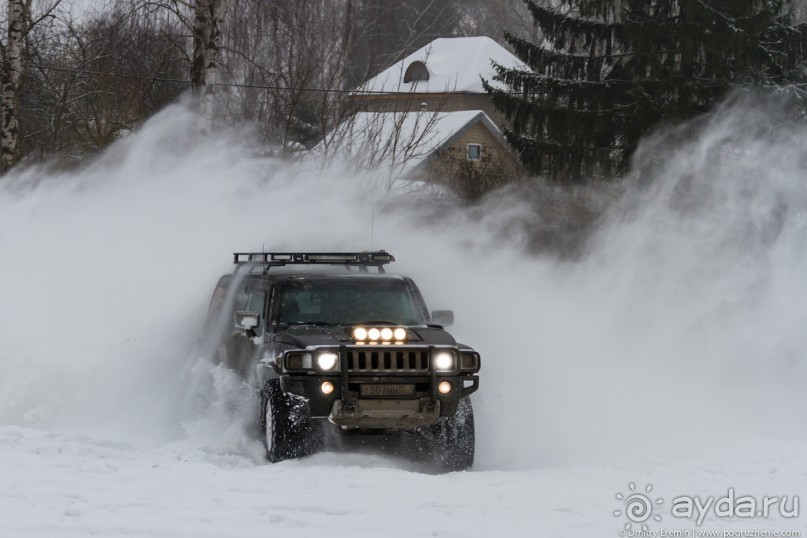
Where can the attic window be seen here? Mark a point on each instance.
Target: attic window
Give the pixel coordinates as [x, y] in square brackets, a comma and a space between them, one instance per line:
[474, 152]
[416, 72]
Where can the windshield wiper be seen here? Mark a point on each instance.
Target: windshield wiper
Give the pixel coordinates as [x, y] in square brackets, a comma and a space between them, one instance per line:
[317, 323]
[378, 322]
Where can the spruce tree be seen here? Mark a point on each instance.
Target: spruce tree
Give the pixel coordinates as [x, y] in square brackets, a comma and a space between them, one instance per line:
[608, 71]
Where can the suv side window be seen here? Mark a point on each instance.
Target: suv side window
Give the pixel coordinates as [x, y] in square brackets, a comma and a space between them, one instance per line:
[256, 302]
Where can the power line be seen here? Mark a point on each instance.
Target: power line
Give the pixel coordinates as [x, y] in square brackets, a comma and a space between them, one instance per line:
[222, 84]
[241, 85]
[105, 74]
[302, 88]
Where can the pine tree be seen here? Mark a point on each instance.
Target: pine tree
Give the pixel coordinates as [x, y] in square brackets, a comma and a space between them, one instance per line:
[609, 71]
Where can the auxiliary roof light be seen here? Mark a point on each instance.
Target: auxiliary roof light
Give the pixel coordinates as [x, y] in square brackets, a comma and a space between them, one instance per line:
[374, 335]
[360, 334]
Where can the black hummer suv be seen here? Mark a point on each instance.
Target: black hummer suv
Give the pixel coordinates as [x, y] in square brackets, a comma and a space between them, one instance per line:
[338, 342]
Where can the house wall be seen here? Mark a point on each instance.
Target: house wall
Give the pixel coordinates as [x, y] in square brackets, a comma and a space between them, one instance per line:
[472, 179]
[476, 134]
[443, 102]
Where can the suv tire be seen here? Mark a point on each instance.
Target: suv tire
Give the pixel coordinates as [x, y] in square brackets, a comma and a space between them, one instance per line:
[453, 439]
[288, 432]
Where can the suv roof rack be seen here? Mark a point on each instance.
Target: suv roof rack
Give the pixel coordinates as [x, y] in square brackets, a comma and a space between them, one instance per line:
[267, 260]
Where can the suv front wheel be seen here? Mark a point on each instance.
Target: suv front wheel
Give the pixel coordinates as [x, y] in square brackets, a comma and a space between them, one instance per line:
[453, 439]
[288, 431]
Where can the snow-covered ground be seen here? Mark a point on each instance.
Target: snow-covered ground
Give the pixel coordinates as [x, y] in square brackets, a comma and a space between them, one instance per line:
[672, 353]
[71, 484]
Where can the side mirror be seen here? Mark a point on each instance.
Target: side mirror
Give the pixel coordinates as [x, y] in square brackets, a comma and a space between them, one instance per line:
[443, 317]
[247, 320]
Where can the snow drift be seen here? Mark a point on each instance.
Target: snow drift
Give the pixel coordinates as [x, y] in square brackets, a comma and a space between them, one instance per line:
[684, 318]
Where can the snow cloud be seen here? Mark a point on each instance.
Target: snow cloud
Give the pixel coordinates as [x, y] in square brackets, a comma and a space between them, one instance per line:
[681, 325]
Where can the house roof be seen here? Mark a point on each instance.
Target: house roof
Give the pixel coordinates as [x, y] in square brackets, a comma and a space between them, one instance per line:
[401, 141]
[455, 64]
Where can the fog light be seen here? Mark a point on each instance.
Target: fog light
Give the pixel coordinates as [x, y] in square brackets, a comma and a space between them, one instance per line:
[327, 387]
[400, 334]
[374, 334]
[386, 334]
[444, 387]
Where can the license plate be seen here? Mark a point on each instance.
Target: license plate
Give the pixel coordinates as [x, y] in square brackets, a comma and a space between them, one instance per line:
[388, 390]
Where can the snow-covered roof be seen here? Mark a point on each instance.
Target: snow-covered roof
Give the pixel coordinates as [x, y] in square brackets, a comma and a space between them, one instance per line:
[399, 141]
[455, 64]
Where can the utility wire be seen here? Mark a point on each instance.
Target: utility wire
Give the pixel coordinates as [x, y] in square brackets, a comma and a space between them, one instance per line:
[290, 88]
[222, 84]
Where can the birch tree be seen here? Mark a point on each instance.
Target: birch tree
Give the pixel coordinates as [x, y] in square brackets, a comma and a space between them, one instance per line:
[18, 24]
[208, 19]
[12, 68]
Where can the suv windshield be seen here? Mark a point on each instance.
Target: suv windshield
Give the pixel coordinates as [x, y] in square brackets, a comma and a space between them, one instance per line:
[348, 302]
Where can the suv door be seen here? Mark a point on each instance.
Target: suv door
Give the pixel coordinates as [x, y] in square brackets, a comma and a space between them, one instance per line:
[243, 350]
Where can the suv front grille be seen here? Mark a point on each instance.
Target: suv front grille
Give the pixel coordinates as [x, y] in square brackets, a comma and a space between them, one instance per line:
[394, 360]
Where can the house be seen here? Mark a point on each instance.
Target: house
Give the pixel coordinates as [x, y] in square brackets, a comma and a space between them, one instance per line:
[428, 118]
[444, 75]
[462, 150]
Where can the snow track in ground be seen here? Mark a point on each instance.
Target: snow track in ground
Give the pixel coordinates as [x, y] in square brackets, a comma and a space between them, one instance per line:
[74, 485]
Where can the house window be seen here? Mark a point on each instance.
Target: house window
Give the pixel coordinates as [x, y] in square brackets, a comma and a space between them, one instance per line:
[474, 152]
[415, 72]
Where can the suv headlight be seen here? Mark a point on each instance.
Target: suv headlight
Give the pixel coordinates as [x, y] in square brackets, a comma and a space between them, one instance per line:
[327, 361]
[444, 361]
